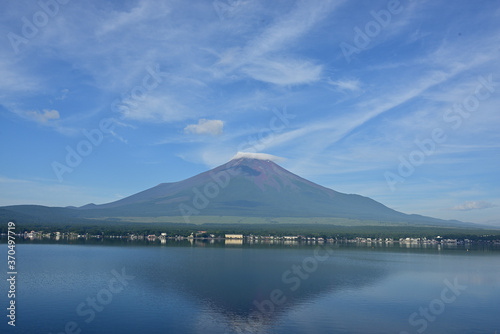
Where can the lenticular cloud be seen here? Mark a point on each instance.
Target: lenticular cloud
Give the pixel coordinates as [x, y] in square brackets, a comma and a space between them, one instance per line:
[260, 156]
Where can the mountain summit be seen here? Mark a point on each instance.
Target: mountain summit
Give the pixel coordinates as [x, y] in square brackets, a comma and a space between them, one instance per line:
[249, 186]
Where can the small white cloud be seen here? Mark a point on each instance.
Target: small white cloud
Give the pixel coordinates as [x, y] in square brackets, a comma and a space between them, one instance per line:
[205, 127]
[44, 116]
[260, 156]
[473, 205]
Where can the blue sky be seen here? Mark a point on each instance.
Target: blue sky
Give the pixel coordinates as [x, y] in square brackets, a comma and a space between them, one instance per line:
[395, 100]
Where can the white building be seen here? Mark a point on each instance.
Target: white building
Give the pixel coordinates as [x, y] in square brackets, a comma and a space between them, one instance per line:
[234, 236]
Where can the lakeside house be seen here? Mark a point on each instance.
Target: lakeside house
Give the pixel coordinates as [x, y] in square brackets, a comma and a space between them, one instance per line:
[234, 236]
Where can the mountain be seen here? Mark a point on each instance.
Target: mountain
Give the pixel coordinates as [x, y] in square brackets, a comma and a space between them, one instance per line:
[243, 187]
[249, 187]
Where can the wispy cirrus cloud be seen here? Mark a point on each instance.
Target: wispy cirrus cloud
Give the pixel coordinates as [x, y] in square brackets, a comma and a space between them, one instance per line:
[144, 10]
[16, 80]
[283, 72]
[12, 181]
[344, 84]
[366, 110]
[261, 57]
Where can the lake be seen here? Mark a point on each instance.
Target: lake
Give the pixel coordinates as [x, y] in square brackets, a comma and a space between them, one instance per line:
[203, 288]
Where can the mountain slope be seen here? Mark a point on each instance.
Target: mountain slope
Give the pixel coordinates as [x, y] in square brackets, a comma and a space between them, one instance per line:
[249, 188]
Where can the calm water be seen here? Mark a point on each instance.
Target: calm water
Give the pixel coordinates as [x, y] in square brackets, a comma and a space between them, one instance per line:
[171, 289]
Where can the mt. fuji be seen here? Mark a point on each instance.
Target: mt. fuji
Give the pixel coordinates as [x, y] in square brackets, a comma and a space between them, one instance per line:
[250, 185]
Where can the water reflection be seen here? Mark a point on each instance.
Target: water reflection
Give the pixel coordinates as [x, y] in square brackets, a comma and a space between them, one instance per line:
[233, 242]
[251, 288]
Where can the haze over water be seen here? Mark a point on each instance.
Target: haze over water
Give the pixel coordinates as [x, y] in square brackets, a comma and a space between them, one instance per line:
[256, 289]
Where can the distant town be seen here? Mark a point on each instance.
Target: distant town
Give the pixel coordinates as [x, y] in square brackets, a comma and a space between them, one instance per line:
[235, 239]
